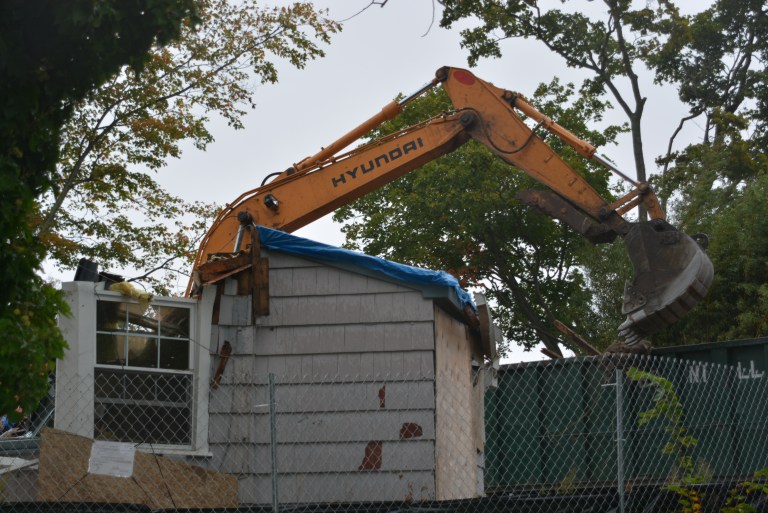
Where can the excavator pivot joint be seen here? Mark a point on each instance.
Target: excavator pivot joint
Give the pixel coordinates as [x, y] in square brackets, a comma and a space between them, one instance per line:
[244, 217]
[442, 74]
[468, 119]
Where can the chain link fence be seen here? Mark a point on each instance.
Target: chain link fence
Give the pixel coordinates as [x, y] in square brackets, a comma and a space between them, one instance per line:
[615, 433]
[663, 434]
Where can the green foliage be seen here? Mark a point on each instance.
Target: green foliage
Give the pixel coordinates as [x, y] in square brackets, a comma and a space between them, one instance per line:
[720, 189]
[51, 55]
[31, 342]
[738, 498]
[606, 268]
[608, 42]
[460, 213]
[668, 409]
[719, 186]
[716, 62]
[105, 203]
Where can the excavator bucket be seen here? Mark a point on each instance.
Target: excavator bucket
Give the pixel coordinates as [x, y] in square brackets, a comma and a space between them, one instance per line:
[672, 274]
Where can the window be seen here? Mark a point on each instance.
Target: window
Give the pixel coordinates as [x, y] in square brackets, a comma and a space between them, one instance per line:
[139, 407]
[143, 375]
[135, 374]
[153, 338]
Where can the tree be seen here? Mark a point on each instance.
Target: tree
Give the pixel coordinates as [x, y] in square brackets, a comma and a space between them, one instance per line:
[606, 269]
[51, 55]
[718, 186]
[460, 213]
[717, 63]
[105, 203]
[720, 190]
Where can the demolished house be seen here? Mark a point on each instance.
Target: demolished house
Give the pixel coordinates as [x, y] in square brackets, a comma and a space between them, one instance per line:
[308, 372]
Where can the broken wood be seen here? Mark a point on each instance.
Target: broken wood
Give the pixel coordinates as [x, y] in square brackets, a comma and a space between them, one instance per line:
[644, 346]
[226, 350]
[551, 354]
[259, 278]
[486, 327]
[261, 293]
[244, 283]
[220, 277]
[576, 339]
[217, 304]
[215, 270]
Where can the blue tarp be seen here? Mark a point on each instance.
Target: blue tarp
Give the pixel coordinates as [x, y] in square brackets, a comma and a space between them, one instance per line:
[281, 241]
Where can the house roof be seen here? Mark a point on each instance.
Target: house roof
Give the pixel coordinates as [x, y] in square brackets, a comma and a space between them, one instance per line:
[407, 274]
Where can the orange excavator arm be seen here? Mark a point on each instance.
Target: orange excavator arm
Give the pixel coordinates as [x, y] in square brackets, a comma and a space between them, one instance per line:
[294, 200]
[672, 272]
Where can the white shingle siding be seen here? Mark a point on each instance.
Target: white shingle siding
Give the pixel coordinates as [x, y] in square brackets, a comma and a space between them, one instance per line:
[336, 340]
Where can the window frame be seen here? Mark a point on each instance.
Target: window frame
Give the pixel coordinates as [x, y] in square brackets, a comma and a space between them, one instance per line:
[76, 372]
[127, 334]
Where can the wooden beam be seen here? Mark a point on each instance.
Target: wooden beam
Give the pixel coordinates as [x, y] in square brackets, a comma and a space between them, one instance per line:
[550, 354]
[212, 271]
[227, 274]
[576, 339]
[259, 278]
[217, 304]
[226, 351]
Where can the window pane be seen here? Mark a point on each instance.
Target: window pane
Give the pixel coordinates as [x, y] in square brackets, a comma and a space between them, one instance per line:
[174, 354]
[110, 316]
[174, 322]
[110, 349]
[143, 408]
[143, 424]
[174, 388]
[140, 387]
[108, 384]
[142, 320]
[142, 352]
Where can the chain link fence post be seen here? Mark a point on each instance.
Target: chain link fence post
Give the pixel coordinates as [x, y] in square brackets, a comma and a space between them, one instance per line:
[273, 440]
[620, 438]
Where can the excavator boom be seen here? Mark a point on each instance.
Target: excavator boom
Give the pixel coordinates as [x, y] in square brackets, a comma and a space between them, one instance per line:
[672, 273]
[295, 200]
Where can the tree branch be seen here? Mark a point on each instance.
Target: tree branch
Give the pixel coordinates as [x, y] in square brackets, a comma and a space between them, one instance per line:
[549, 340]
[163, 265]
[663, 200]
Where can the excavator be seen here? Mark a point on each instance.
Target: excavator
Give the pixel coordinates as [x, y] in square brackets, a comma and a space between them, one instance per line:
[672, 273]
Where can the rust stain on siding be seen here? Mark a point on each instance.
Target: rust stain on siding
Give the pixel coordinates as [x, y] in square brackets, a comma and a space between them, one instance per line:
[410, 430]
[372, 457]
[382, 396]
